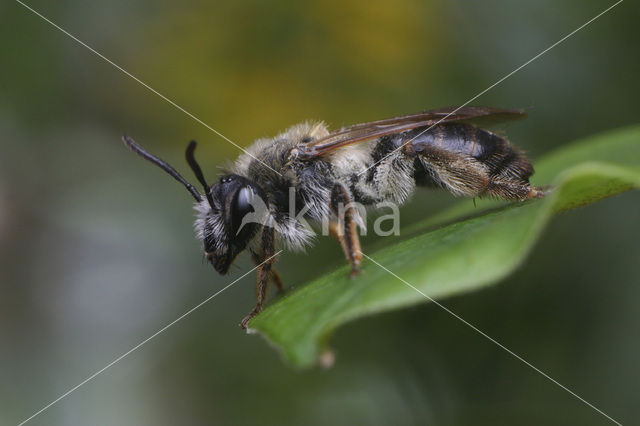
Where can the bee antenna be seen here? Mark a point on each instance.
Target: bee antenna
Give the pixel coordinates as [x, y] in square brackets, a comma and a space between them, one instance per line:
[191, 159]
[133, 146]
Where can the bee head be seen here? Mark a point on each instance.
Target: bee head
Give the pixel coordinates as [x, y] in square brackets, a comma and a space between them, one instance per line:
[230, 214]
[230, 219]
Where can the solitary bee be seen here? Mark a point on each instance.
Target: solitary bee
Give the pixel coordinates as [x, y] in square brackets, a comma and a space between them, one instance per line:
[309, 173]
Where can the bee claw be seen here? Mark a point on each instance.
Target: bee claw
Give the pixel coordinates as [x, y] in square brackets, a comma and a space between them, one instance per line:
[245, 321]
[539, 192]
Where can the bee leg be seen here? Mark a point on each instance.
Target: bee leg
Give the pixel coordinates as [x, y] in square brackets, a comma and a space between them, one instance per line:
[513, 190]
[345, 227]
[466, 176]
[436, 167]
[277, 280]
[338, 233]
[264, 273]
[275, 276]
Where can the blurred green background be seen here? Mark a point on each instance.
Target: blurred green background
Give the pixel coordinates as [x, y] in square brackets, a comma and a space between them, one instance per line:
[97, 248]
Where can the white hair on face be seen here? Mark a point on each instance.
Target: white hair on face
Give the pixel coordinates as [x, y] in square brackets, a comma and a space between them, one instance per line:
[207, 218]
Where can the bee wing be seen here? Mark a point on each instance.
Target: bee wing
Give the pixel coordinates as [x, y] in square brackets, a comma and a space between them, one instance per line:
[369, 131]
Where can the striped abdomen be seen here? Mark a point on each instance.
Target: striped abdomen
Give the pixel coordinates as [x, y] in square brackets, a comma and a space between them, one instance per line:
[468, 160]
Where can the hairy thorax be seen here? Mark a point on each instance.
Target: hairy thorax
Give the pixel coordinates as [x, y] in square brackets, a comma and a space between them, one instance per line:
[373, 172]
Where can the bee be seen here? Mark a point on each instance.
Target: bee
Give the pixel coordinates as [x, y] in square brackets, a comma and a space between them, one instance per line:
[309, 173]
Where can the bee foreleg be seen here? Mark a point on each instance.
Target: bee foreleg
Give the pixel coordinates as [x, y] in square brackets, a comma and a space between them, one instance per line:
[265, 270]
[277, 280]
[274, 277]
[344, 226]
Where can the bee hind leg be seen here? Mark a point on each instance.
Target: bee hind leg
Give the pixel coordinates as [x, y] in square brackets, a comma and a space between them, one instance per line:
[466, 176]
[513, 190]
[344, 227]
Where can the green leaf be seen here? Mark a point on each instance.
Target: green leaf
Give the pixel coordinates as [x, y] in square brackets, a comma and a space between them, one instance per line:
[463, 255]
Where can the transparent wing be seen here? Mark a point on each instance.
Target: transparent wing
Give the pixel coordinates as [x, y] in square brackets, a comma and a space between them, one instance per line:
[369, 131]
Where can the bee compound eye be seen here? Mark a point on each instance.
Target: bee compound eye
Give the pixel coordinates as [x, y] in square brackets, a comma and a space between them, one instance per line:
[243, 202]
[242, 206]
